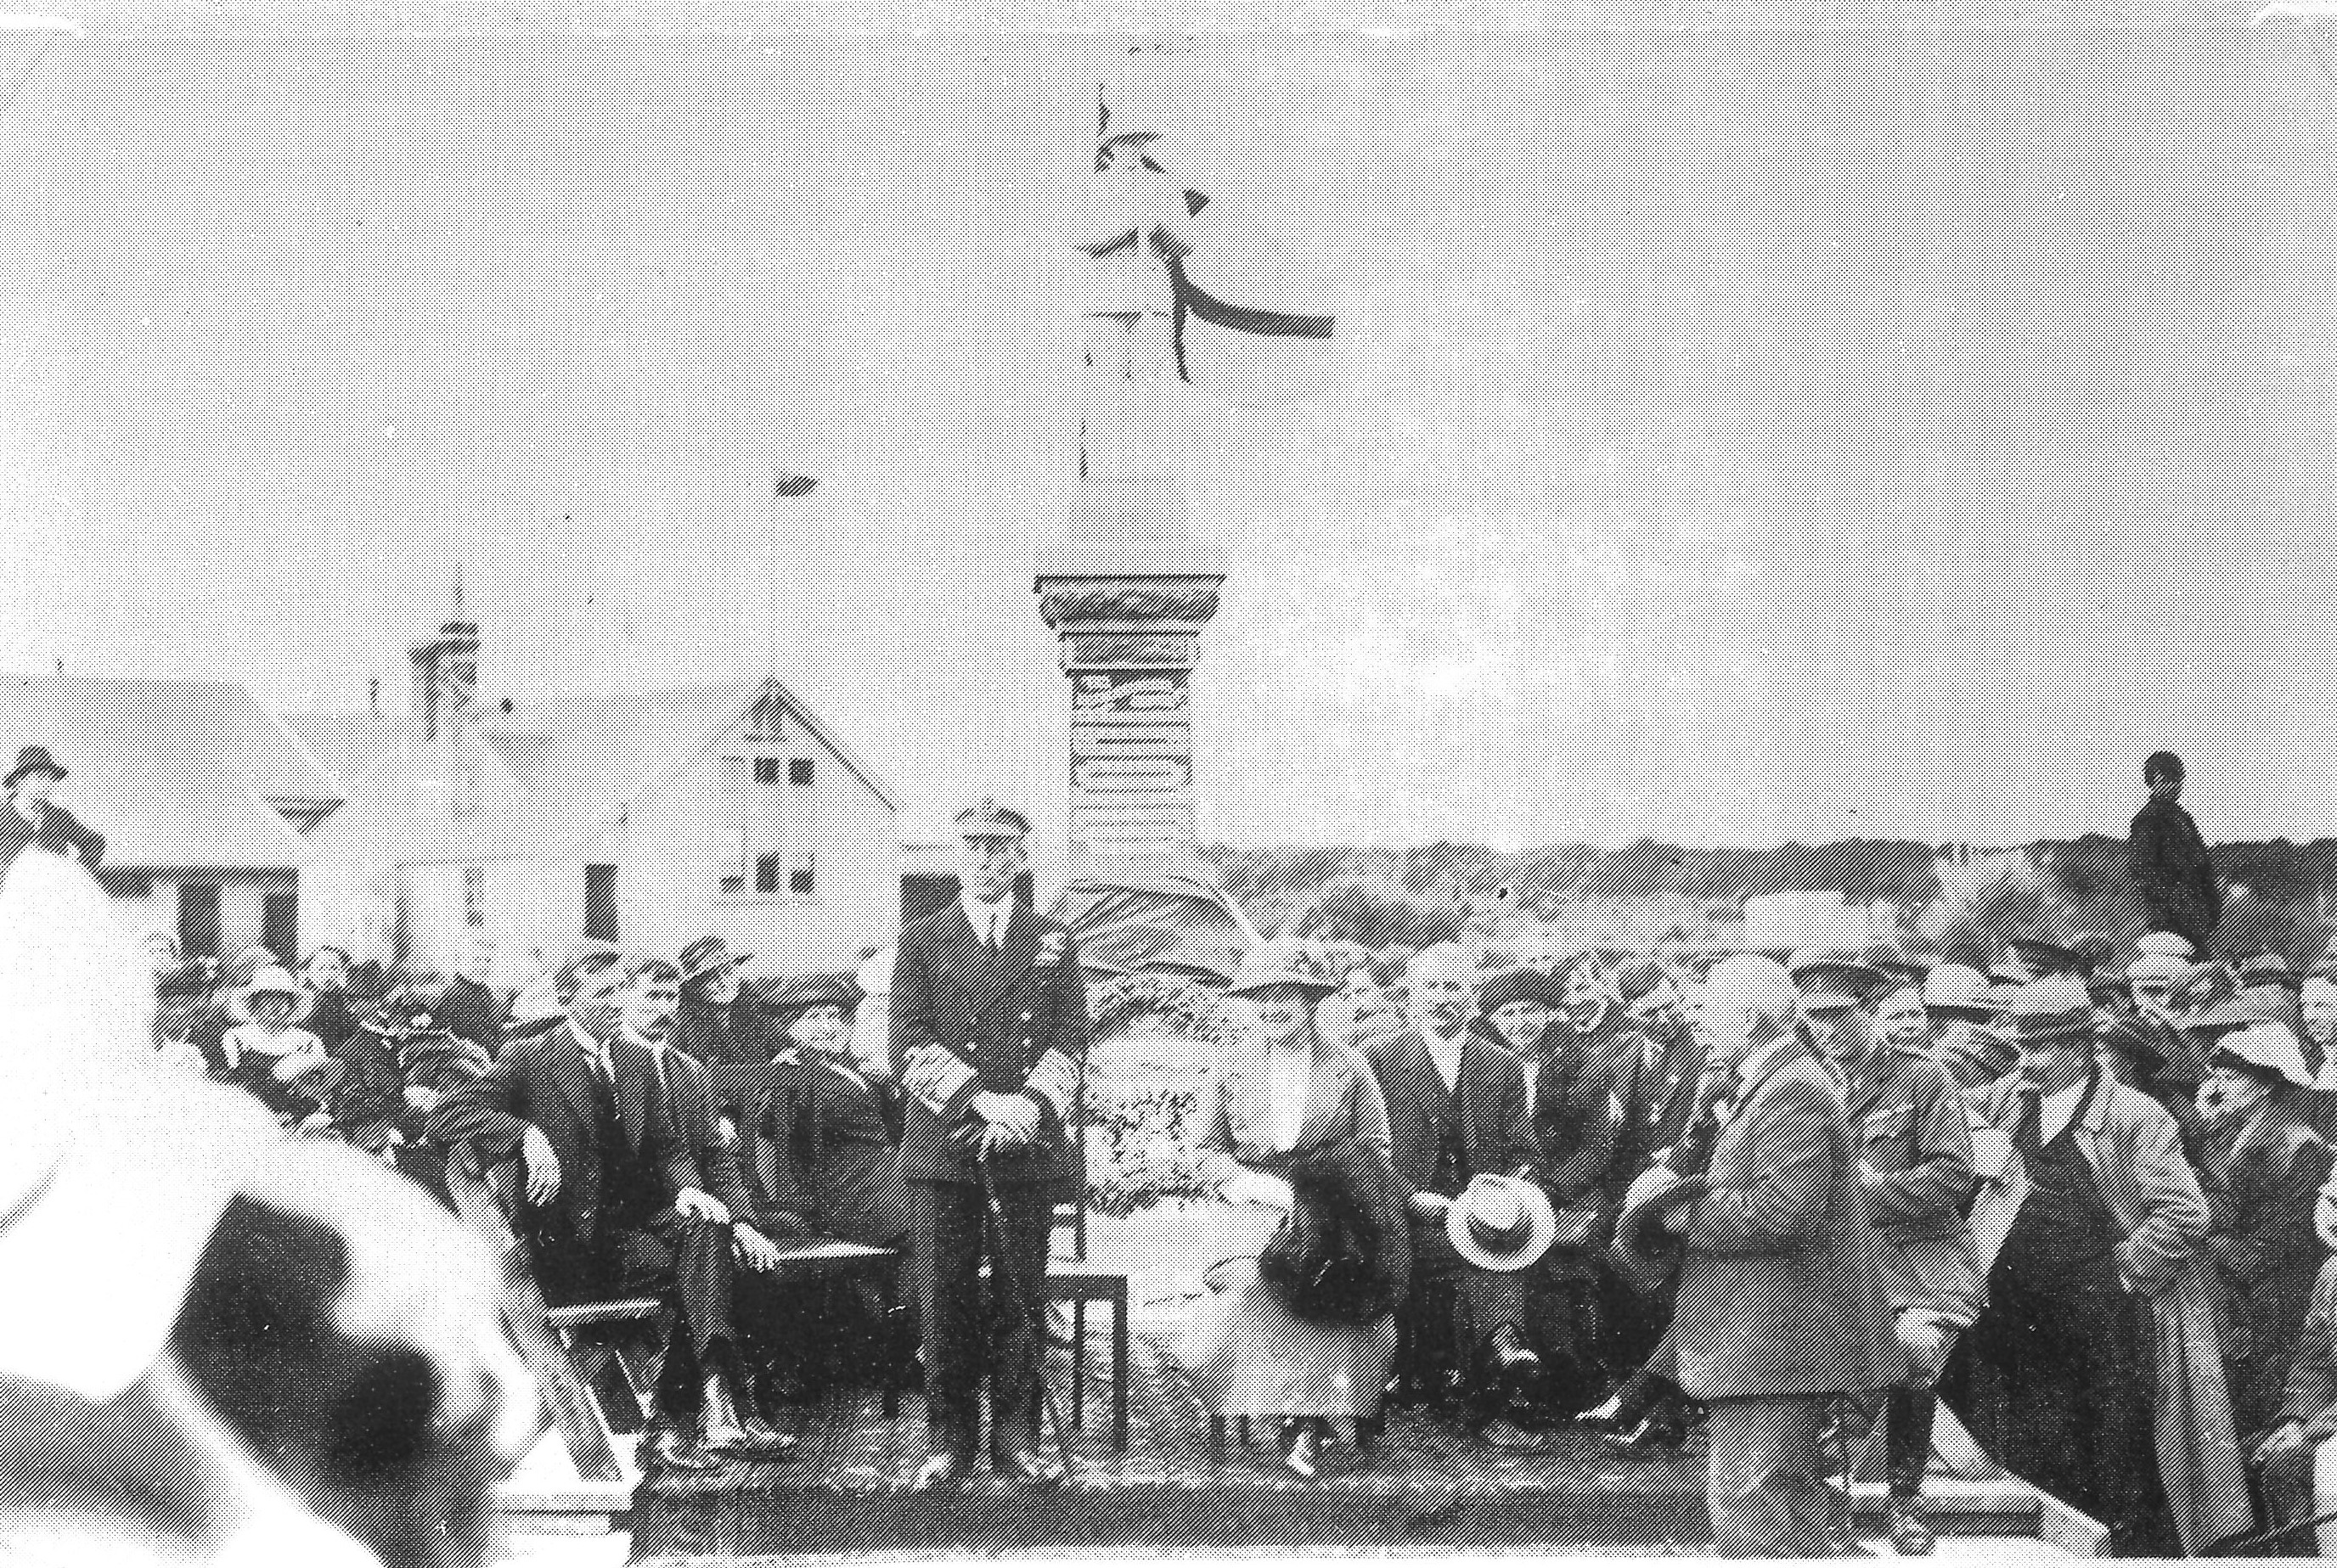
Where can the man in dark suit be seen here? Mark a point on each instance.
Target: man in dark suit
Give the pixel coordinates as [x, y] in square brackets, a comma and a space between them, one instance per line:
[33, 818]
[1457, 1112]
[615, 1204]
[989, 1040]
[470, 1006]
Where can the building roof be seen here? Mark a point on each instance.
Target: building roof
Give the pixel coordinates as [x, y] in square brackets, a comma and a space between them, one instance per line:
[176, 773]
[573, 768]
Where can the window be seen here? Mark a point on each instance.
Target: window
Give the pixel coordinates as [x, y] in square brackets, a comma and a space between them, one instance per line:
[799, 876]
[767, 873]
[767, 770]
[199, 920]
[474, 896]
[601, 903]
[799, 772]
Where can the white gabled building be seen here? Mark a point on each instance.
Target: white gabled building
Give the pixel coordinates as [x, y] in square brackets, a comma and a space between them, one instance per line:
[650, 819]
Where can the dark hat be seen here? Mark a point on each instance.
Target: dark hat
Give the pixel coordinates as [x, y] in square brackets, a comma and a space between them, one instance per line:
[986, 819]
[1497, 991]
[33, 759]
[193, 979]
[706, 955]
[805, 992]
[1643, 1251]
[406, 1017]
[2238, 1012]
[2043, 955]
[1834, 980]
[1895, 963]
[2106, 988]
[2269, 969]
[1637, 982]
[1983, 1046]
[2130, 1039]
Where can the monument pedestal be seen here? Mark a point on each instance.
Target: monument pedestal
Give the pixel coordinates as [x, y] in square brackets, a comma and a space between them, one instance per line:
[1130, 639]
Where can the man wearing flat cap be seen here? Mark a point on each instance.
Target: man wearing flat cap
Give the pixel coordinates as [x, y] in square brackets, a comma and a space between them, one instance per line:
[2097, 1373]
[2173, 875]
[989, 1039]
[32, 819]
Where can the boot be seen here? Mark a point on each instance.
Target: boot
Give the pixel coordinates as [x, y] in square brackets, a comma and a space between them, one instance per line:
[1302, 1445]
[663, 1447]
[951, 1444]
[722, 1434]
[1911, 1534]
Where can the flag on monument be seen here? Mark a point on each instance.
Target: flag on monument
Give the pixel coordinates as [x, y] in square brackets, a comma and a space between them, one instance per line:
[1146, 212]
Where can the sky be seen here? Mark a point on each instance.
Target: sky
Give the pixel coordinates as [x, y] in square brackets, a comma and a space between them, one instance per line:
[1823, 419]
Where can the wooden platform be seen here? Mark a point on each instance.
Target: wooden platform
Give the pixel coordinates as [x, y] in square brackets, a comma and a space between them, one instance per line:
[846, 1491]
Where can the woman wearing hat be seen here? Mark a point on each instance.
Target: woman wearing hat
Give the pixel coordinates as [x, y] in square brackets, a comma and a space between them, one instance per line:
[264, 1050]
[2272, 1164]
[708, 1026]
[1288, 1094]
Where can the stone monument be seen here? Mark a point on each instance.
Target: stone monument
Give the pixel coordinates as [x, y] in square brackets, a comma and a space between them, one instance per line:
[1125, 587]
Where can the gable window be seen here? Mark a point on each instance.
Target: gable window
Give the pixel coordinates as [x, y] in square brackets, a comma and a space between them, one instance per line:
[767, 770]
[800, 877]
[799, 772]
[767, 873]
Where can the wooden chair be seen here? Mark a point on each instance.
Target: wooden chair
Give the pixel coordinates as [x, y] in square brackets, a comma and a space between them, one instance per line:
[594, 1364]
[1077, 1283]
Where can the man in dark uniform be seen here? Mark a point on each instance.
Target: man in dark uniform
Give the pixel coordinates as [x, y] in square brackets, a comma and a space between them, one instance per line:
[614, 1204]
[1915, 1153]
[33, 818]
[2168, 858]
[990, 1037]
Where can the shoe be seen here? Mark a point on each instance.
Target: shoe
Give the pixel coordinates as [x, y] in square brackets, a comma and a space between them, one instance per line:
[1507, 1436]
[944, 1471]
[1015, 1455]
[1515, 1368]
[768, 1442]
[1609, 1416]
[723, 1433]
[1656, 1437]
[1911, 1534]
[1301, 1447]
[666, 1449]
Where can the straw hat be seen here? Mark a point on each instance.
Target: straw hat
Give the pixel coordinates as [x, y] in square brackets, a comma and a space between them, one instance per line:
[2269, 1047]
[271, 980]
[1501, 1223]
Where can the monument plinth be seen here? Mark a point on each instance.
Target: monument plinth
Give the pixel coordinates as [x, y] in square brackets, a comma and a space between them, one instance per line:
[1125, 588]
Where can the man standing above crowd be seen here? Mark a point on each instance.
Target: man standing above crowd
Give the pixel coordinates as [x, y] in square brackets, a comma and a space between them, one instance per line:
[2168, 860]
[990, 1035]
[470, 1006]
[33, 819]
[1456, 1106]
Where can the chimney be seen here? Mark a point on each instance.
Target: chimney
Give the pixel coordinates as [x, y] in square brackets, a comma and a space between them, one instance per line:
[445, 673]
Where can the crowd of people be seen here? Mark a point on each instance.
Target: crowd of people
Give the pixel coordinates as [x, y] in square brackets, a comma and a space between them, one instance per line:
[1780, 1205]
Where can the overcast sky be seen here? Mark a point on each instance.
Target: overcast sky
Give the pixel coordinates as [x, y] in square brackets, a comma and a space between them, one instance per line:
[1766, 433]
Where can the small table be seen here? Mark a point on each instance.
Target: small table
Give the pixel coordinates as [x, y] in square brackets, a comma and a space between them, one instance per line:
[1079, 1284]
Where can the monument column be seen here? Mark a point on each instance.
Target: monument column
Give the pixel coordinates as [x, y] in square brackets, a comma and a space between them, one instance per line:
[1124, 585]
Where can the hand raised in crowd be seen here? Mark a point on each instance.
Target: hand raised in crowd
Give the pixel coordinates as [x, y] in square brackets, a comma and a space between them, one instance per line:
[543, 1167]
[692, 1204]
[754, 1248]
[422, 1098]
[1256, 1189]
